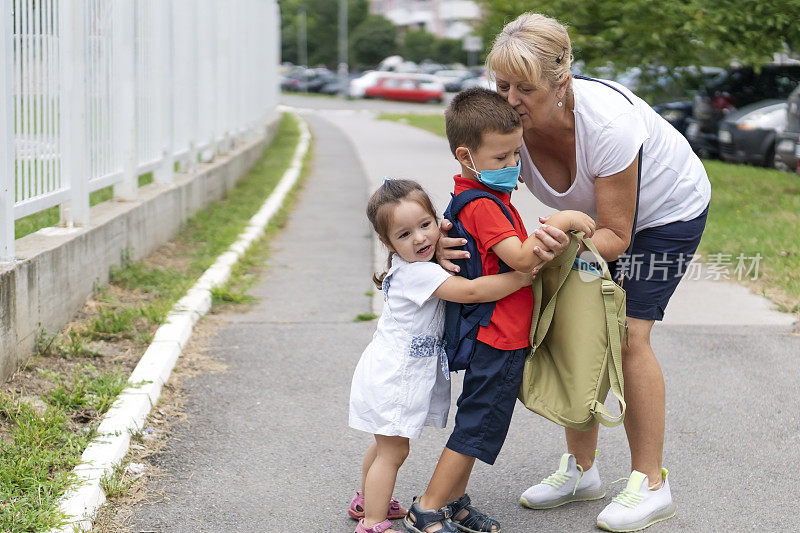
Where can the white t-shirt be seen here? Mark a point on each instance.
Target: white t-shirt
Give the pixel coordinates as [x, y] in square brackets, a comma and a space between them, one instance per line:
[409, 295]
[608, 134]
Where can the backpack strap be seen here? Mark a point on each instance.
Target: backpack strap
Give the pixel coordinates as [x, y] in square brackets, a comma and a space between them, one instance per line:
[629, 251]
[615, 376]
[464, 197]
[458, 201]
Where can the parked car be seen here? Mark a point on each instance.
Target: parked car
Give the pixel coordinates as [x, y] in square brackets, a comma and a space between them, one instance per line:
[672, 94]
[786, 146]
[676, 113]
[748, 134]
[479, 81]
[739, 87]
[429, 67]
[309, 80]
[409, 88]
[453, 79]
[358, 86]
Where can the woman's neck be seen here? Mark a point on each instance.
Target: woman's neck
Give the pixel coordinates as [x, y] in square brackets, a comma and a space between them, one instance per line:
[558, 132]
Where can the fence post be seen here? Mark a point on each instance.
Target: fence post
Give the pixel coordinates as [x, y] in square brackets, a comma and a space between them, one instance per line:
[190, 36]
[165, 173]
[124, 76]
[207, 42]
[6, 134]
[72, 74]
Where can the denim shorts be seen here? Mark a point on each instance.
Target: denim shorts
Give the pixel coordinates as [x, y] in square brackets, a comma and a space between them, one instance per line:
[659, 260]
[491, 386]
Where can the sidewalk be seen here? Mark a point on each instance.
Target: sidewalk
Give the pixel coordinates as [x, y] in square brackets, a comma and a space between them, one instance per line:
[266, 446]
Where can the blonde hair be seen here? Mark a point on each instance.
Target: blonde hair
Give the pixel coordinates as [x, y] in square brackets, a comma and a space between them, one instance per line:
[380, 211]
[533, 47]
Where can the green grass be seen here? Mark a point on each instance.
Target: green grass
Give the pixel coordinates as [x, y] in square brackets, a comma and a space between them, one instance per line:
[69, 344]
[226, 294]
[753, 211]
[42, 446]
[756, 211]
[39, 450]
[116, 483]
[365, 317]
[37, 456]
[432, 122]
[217, 228]
[87, 390]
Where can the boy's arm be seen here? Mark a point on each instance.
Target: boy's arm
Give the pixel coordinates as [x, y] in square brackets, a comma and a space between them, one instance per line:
[482, 289]
[520, 255]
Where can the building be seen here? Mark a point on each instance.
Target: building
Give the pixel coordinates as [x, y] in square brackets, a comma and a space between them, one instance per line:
[445, 18]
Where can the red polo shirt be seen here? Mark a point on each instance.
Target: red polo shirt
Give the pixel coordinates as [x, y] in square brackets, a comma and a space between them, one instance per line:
[509, 328]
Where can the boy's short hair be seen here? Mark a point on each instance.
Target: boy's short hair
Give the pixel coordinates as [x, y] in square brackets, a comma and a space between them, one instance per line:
[475, 112]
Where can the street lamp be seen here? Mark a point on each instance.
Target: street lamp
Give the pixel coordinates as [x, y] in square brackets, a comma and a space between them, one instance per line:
[343, 69]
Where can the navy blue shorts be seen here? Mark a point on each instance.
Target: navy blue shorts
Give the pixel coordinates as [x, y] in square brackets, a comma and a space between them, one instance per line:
[658, 262]
[491, 386]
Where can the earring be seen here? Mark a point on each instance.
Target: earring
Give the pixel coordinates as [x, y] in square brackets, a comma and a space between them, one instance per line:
[560, 103]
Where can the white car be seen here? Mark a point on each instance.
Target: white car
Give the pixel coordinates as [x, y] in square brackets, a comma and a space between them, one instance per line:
[358, 86]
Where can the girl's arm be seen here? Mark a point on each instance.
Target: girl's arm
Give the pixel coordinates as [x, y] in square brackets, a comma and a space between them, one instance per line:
[482, 289]
[521, 256]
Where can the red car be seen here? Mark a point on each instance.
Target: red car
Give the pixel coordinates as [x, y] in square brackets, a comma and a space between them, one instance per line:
[416, 89]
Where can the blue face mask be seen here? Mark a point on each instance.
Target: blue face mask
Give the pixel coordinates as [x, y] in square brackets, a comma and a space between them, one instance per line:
[503, 180]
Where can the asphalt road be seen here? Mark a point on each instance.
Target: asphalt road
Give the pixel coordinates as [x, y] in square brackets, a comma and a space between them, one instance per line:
[266, 447]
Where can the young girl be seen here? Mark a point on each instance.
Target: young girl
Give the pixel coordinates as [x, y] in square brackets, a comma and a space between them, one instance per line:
[400, 384]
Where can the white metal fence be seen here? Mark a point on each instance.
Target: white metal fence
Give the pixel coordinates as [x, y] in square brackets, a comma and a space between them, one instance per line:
[94, 93]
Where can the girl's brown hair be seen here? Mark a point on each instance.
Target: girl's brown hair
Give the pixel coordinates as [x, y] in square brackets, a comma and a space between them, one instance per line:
[380, 209]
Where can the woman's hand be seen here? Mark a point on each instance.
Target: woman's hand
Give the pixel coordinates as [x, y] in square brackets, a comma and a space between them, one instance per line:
[554, 242]
[444, 249]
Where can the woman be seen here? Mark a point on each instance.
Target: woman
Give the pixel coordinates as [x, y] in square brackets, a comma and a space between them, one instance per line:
[581, 151]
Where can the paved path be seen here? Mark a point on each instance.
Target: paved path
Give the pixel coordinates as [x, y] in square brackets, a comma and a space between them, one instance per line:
[266, 445]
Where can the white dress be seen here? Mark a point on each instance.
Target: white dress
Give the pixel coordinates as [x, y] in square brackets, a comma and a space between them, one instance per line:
[399, 385]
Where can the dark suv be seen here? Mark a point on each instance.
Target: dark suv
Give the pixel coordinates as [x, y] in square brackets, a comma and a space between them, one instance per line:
[741, 86]
[786, 146]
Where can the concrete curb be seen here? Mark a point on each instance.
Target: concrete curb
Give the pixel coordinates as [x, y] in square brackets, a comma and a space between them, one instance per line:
[130, 410]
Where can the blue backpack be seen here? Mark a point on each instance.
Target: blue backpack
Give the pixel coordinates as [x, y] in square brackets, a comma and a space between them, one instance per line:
[462, 321]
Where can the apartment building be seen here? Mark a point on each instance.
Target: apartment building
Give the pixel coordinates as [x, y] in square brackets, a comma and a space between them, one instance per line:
[444, 18]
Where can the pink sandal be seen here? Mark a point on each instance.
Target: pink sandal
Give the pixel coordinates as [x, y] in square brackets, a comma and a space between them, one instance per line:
[356, 510]
[377, 528]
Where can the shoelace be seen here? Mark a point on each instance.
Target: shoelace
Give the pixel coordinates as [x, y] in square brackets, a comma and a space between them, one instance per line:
[627, 498]
[558, 478]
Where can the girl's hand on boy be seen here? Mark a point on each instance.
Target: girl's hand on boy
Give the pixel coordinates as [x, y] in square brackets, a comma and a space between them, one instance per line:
[445, 249]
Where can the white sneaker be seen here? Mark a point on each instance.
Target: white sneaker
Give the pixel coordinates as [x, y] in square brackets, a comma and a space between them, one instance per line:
[567, 484]
[638, 507]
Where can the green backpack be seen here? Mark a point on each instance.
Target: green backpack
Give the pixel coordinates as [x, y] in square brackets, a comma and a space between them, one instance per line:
[576, 356]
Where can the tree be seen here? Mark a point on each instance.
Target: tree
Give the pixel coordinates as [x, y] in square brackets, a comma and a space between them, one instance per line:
[322, 28]
[418, 45]
[373, 40]
[667, 32]
[449, 51]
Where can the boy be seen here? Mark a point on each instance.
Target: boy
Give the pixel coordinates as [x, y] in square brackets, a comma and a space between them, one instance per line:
[485, 135]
